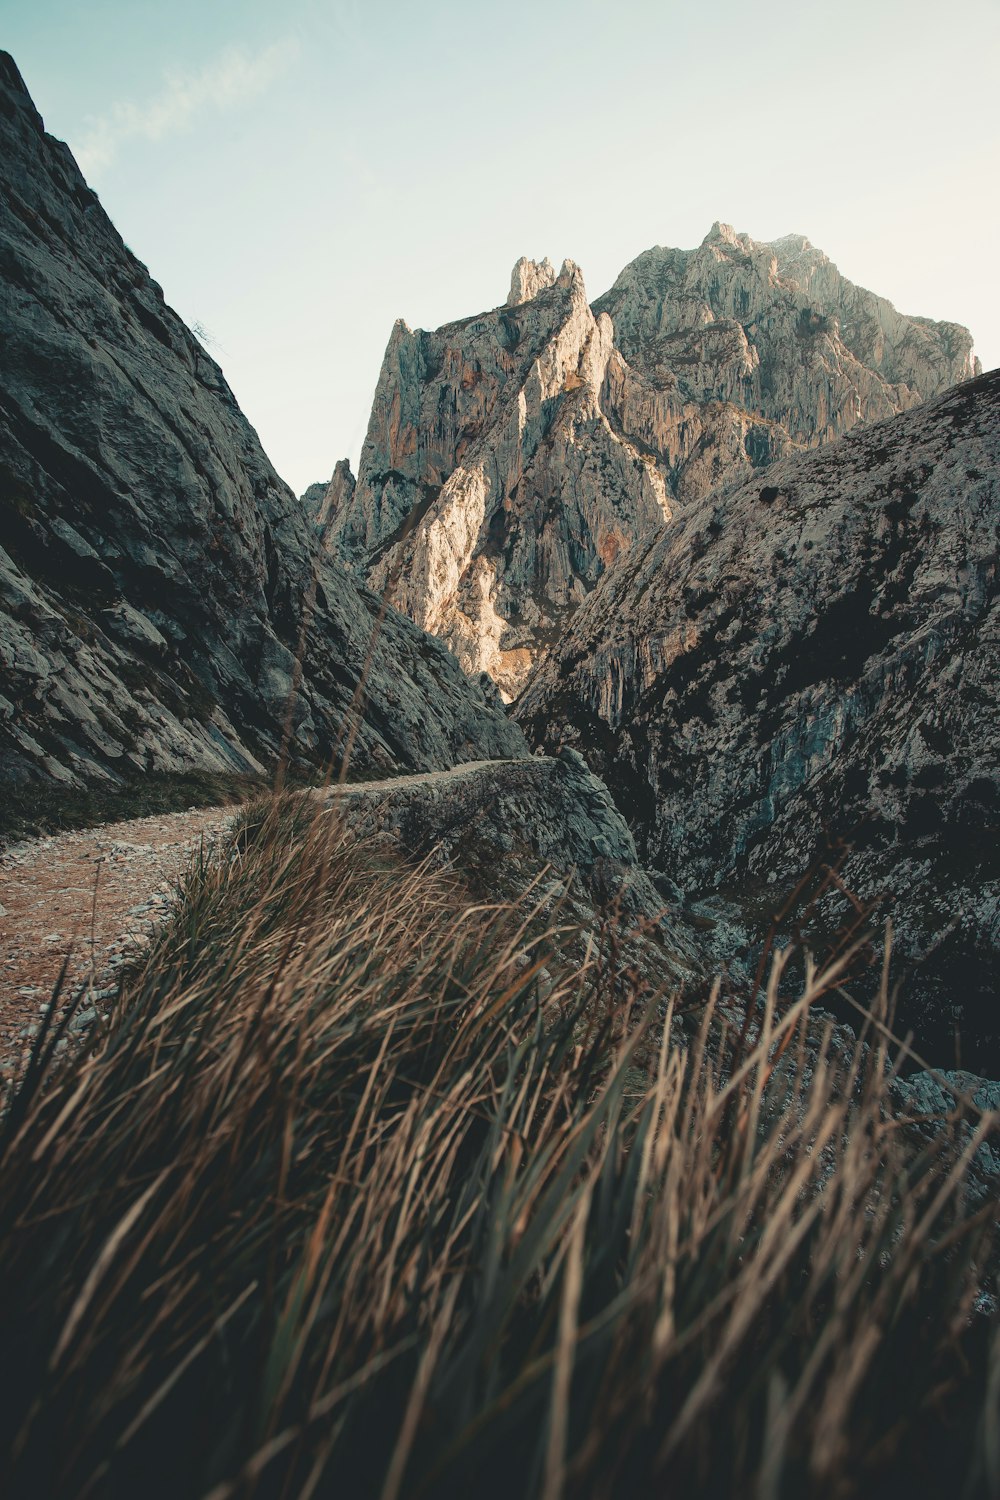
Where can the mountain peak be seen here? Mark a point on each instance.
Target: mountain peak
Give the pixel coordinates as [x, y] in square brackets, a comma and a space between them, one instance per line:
[529, 277]
[570, 275]
[512, 456]
[724, 233]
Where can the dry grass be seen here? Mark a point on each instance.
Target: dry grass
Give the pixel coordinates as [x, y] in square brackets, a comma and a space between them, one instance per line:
[342, 1205]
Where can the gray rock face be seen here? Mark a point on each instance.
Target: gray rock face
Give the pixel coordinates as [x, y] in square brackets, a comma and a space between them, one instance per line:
[746, 351]
[557, 803]
[931, 1099]
[492, 490]
[159, 584]
[509, 824]
[816, 653]
[323, 502]
[512, 456]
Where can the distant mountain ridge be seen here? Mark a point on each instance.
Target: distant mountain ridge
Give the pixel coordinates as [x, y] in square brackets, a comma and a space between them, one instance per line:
[512, 456]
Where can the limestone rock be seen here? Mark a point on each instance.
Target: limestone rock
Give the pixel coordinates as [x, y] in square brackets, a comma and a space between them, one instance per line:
[323, 502]
[492, 490]
[159, 584]
[743, 351]
[508, 824]
[512, 456]
[528, 278]
[817, 651]
[931, 1098]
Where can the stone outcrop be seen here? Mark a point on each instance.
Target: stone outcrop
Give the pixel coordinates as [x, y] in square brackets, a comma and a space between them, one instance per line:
[512, 456]
[522, 830]
[492, 490]
[815, 653]
[323, 503]
[164, 604]
[557, 804]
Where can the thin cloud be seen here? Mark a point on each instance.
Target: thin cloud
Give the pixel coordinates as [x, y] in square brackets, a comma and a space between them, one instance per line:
[227, 83]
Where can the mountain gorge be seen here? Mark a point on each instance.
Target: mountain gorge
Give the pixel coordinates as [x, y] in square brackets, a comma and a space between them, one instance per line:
[164, 603]
[567, 499]
[511, 457]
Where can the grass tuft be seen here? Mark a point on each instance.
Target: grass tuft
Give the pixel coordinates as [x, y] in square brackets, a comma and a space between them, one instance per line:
[345, 1201]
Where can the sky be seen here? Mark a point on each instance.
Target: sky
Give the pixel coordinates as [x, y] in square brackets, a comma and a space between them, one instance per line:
[298, 176]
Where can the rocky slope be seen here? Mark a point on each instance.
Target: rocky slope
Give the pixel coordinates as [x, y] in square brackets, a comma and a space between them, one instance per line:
[158, 582]
[816, 653]
[512, 456]
[543, 834]
[555, 806]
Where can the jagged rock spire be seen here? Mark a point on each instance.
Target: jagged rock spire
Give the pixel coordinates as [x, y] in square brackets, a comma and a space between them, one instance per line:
[528, 278]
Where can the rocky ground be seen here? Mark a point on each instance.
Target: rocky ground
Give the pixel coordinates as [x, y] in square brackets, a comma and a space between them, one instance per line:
[87, 900]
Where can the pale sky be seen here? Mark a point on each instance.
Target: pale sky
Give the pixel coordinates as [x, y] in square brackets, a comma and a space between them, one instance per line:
[297, 176]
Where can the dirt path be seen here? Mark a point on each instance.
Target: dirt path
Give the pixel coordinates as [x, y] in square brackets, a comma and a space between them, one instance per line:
[418, 778]
[92, 896]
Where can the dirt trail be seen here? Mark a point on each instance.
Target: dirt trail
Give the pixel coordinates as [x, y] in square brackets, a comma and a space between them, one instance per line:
[92, 896]
[418, 778]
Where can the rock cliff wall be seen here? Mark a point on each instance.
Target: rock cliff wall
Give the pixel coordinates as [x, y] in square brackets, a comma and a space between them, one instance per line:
[164, 604]
[746, 351]
[492, 490]
[813, 654]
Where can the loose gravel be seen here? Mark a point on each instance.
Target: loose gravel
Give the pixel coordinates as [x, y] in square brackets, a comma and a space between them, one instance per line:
[89, 899]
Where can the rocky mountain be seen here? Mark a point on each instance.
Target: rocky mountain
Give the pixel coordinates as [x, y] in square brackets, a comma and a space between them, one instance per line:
[813, 656]
[764, 348]
[492, 489]
[164, 602]
[512, 456]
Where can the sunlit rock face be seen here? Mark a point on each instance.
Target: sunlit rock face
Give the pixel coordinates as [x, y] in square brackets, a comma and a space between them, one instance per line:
[165, 604]
[816, 653]
[745, 351]
[511, 457]
[492, 490]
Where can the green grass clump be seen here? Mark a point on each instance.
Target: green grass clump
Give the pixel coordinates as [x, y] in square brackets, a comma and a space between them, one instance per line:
[346, 1203]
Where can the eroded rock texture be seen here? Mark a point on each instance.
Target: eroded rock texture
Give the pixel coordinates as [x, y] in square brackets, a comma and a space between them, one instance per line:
[816, 653]
[492, 489]
[556, 804]
[511, 457]
[324, 502]
[539, 830]
[158, 581]
[739, 352]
